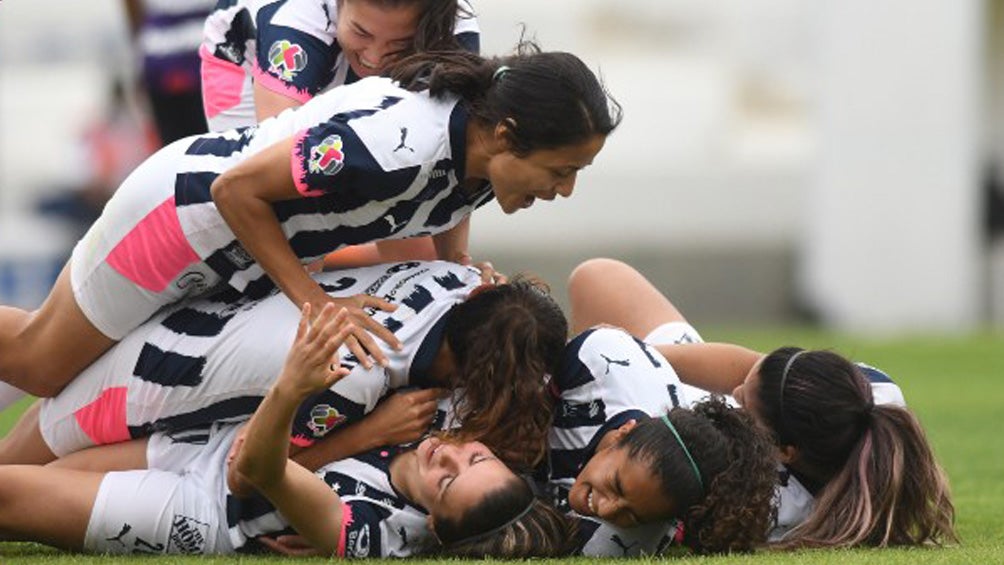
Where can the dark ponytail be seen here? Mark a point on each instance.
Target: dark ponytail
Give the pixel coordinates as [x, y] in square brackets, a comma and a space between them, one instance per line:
[546, 99]
[881, 484]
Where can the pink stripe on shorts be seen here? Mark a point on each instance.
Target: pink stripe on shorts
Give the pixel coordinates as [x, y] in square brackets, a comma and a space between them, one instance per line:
[222, 83]
[155, 251]
[104, 419]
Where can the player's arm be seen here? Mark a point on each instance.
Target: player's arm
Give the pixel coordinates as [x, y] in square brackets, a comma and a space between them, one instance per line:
[402, 417]
[244, 195]
[451, 245]
[268, 103]
[311, 507]
[715, 367]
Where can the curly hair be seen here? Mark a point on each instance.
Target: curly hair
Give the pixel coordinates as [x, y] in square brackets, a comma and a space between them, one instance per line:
[726, 502]
[506, 340]
[882, 485]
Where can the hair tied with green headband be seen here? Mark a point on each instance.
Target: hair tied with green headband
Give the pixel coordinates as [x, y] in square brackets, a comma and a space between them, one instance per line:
[500, 72]
[697, 472]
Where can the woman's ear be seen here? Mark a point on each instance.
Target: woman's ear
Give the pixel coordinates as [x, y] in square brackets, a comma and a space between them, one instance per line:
[787, 454]
[504, 131]
[612, 437]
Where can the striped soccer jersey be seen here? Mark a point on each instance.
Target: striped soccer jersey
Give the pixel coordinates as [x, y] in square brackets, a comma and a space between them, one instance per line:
[214, 359]
[373, 162]
[608, 378]
[377, 520]
[290, 46]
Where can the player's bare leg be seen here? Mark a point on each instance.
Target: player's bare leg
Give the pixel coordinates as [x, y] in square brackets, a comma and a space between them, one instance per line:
[42, 351]
[23, 444]
[47, 505]
[607, 291]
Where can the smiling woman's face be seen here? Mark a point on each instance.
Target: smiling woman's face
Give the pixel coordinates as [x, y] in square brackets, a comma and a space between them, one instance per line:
[453, 477]
[621, 490]
[373, 36]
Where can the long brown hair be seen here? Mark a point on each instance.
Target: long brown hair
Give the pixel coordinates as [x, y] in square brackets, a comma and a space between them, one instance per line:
[506, 340]
[882, 485]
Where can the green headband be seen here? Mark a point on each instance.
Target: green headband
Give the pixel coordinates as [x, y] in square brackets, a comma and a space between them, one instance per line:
[697, 472]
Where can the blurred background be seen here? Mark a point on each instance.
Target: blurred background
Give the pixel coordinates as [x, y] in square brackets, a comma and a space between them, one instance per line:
[838, 162]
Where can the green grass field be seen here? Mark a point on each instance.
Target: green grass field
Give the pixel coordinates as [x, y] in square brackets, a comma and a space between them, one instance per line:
[956, 387]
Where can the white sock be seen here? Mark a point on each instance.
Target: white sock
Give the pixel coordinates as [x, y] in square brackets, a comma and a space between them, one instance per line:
[9, 395]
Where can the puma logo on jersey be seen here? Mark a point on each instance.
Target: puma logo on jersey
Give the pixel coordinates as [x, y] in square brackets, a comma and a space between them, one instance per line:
[621, 362]
[404, 136]
[620, 543]
[394, 224]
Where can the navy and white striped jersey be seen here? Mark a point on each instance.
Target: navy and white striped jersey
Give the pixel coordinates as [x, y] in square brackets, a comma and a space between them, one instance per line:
[291, 46]
[607, 378]
[377, 521]
[795, 501]
[213, 359]
[373, 161]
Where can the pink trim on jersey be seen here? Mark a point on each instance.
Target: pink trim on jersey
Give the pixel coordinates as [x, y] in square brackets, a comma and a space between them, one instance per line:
[346, 522]
[155, 251]
[274, 84]
[301, 441]
[222, 83]
[104, 419]
[297, 167]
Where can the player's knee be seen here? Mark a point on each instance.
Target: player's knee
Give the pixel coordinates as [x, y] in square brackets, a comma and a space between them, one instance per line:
[590, 270]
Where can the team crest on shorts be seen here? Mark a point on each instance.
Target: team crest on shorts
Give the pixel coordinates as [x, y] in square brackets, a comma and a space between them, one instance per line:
[188, 535]
[327, 156]
[286, 59]
[323, 418]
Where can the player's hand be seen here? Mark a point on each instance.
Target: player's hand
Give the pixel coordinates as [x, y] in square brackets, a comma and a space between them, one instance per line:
[361, 341]
[404, 417]
[489, 275]
[291, 545]
[312, 364]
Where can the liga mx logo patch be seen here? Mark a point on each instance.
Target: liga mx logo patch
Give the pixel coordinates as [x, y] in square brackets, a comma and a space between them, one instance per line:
[323, 418]
[327, 156]
[286, 59]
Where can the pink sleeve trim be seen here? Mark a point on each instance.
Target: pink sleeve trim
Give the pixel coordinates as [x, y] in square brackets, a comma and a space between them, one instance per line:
[301, 441]
[298, 167]
[346, 522]
[279, 86]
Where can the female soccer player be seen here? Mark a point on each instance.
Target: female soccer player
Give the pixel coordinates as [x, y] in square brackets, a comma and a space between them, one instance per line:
[198, 494]
[212, 360]
[260, 58]
[377, 159]
[640, 467]
[856, 467]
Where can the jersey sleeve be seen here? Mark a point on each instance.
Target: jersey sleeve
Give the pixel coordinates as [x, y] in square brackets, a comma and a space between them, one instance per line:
[291, 58]
[614, 372]
[331, 158]
[466, 28]
[362, 529]
[347, 401]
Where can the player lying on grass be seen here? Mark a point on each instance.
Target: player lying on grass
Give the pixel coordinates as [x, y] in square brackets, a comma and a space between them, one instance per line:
[855, 465]
[642, 469]
[457, 498]
[213, 359]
